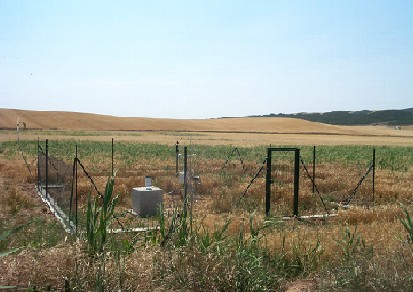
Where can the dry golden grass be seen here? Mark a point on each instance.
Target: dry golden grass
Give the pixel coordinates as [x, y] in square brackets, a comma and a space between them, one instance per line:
[239, 131]
[93, 122]
[378, 226]
[208, 138]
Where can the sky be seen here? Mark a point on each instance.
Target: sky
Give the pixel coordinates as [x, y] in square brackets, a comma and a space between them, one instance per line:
[206, 59]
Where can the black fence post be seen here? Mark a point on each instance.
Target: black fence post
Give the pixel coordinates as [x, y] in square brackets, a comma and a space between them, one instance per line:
[72, 190]
[112, 159]
[47, 165]
[76, 198]
[374, 169]
[177, 158]
[314, 170]
[296, 180]
[268, 184]
[57, 163]
[38, 165]
[185, 178]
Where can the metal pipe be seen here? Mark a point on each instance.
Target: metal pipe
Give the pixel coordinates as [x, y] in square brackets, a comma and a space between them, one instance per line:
[313, 170]
[47, 165]
[185, 178]
[374, 169]
[76, 198]
[296, 177]
[57, 162]
[72, 189]
[268, 184]
[296, 180]
[38, 165]
[177, 158]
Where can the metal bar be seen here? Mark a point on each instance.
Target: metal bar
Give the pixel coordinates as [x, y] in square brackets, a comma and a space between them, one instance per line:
[47, 165]
[71, 193]
[57, 155]
[38, 164]
[374, 169]
[283, 149]
[76, 197]
[177, 158]
[185, 178]
[296, 177]
[112, 159]
[313, 170]
[296, 180]
[191, 193]
[268, 183]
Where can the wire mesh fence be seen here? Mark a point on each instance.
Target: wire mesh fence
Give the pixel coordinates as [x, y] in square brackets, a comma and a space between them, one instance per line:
[69, 171]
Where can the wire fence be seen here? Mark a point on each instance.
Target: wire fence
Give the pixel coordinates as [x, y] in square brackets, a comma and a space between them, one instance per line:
[325, 183]
[67, 172]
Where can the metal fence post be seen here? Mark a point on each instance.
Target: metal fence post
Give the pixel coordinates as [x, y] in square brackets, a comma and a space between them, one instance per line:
[185, 178]
[374, 169]
[296, 180]
[313, 170]
[177, 158]
[38, 165]
[268, 184]
[76, 199]
[112, 159]
[47, 165]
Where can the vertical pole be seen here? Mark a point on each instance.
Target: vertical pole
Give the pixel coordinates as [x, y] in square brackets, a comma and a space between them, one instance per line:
[185, 178]
[76, 199]
[112, 159]
[177, 158]
[71, 193]
[191, 194]
[268, 184]
[374, 169]
[57, 163]
[296, 180]
[47, 165]
[38, 165]
[313, 170]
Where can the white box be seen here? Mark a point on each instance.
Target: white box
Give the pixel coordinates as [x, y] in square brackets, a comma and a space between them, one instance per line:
[181, 177]
[146, 201]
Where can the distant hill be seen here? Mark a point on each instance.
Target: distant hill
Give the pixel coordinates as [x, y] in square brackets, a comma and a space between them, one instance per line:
[365, 117]
[56, 120]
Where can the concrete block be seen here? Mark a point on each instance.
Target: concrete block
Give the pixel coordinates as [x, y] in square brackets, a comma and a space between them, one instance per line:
[146, 201]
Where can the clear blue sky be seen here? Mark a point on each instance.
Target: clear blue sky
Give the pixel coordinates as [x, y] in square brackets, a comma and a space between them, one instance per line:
[205, 59]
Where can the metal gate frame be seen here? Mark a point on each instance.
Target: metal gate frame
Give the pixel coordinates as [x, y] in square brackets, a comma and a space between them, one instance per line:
[269, 181]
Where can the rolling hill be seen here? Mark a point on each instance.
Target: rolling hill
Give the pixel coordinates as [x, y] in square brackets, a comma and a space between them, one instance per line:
[222, 131]
[83, 121]
[383, 117]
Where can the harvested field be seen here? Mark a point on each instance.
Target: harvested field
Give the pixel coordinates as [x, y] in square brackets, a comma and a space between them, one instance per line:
[233, 247]
[228, 131]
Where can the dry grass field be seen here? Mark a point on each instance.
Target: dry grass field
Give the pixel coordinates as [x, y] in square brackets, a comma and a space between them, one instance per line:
[227, 131]
[232, 247]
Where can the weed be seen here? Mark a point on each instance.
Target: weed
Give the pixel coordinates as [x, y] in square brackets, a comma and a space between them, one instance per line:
[407, 223]
[98, 219]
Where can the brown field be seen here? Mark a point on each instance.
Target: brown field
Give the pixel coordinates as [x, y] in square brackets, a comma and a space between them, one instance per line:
[227, 131]
[327, 258]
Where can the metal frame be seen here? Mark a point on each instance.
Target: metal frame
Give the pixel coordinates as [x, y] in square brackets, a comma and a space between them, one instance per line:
[296, 177]
[177, 159]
